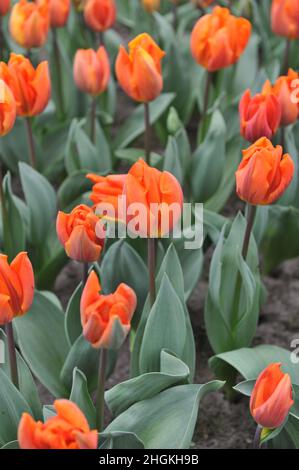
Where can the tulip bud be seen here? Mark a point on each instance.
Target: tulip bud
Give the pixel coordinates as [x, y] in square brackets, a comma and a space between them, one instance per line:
[139, 72]
[69, 429]
[100, 15]
[106, 318]
[283, 90]
[259, 115]
[59, 12]
[151, 5]
[92, 70]
[159, 196]
[29, 23]
[4, 7]
[8, 109]
[285, 18]
[219, 38]
[271, 398]
[78, 233]
[17, 287]
[31, 87]
[264, 173]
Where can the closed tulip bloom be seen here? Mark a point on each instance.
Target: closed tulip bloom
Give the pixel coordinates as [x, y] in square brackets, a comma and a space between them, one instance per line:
[271, 398]
[69, 429]
[219, 38]
[259, 115]
[107, 189]
[16, 287]
[160, 195]
[264, 173]
[283, 90]
[29, 23]
[8, 109]
[92, 70]
[78, 233]
[139, 72]
[31, 87]
[4, 7]
[106, 318]
[151, 5]
[59, 12]
[285, 18]
[100, 15]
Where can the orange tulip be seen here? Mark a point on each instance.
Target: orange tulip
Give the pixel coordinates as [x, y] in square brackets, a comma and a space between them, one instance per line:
[69, 429]
[139, 72]
[271, 398]
[16, 287]
[106, 318]
[259, 115]
[92, 70]
[151, 5]
[159, 195]
[78, 233]
[107, 189]
[264, 173]
[29, 23]
[219, 38]
[4, 7]
[59, 12]
[8, 109]
[285, 18]
[283, 90]
[100, 15]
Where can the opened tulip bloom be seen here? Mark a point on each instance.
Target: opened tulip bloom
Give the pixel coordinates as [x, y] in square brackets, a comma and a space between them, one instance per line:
[81, 234]
[16, 287]
[29, 23]
[106, 319]
[4, 7]
[264, 173]
[219, 38]
[100, 15]
[31, 87]
[271, 398]
[8, 109]
[139, 71]
[69, 429]
[106, 192]
[158, 198]
[285, 18]
[260, 115]
[283, 90]
[59, 12]
[92, 70]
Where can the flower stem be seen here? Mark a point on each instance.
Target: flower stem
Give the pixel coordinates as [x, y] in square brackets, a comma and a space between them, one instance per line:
[207, 94]
[32, 153]
[251, 211]
[85, 273]
[147, 133]
[58, 69]
[282, 137]
[175, 19]
[151, 257]
[12, 355]
[257, 437]
[101, 388]
[286, 58]
[100, 41]
[93, 117]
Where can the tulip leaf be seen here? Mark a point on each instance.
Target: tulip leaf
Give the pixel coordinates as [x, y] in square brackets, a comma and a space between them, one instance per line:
[72, 324]
[11, 445]
[72, 187]
[80, 396]
[43, 342]
[167, 420]
[171, 162]
[120, 440]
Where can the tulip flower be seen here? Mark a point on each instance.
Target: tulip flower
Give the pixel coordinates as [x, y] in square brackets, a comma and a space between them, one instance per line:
[69, 429]
[285, 18]
[151, 5]
[100, 15]
[264, 173]
[219, 38]
[16, 287]
[271, 398]
[107, 190]
[29, 23]
[4, 7]
[92, 70]
[59, 12]
[81, 234]
[260, 115]
[139, 72]
[106, 318]
[283, 90]
[8, 109]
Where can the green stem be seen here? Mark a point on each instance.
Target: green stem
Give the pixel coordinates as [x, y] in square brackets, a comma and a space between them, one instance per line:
[251, 211]
[12, 355]
[175, 19]
[100, 40]
[207, 94]
[101, 388]
[151, 256]
[286, 59]
[85, 273]
[257, 437]
[93, 118]
[147, 133]
[58, 68]
[32, 153]
[282, 137]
